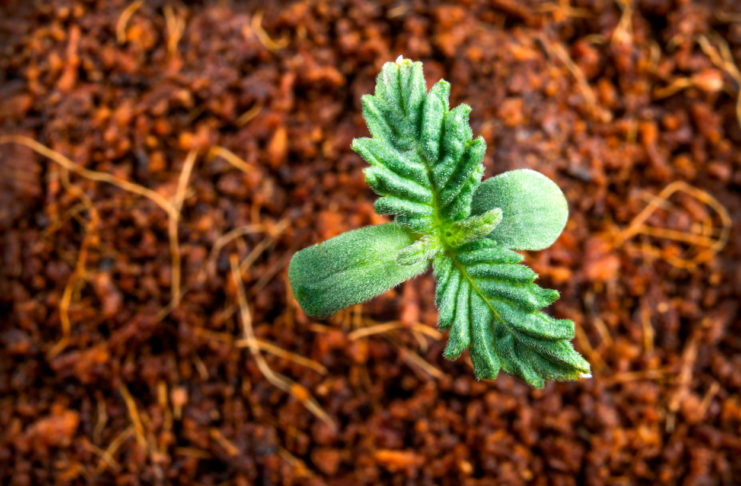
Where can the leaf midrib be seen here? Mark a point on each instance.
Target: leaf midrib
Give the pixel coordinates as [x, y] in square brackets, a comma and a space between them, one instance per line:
[481, 294]
[438, 230]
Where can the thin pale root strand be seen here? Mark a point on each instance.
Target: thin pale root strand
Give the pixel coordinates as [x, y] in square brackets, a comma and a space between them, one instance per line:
[106, 460]
[684, 381]
[79, 270]
[172, 226]
[271, 348]
[272, 230]
[233, 159]
[123, 20]
[251, 257]
[623, 33]
[722, 58]
[674, 87]
[302, 470]
[709, 243]
[133, 415]
[263, 36]
[175, 25]
[266, 346]
[192, 452]
[249, 115]
[642, 375]
[92, 175]
[279, 381]
[226, 444]
[415, 360]
[707, 398]
[107, 456]
[391, 326]
[172, 208]
[226, 238]
[648, 330]
[558, 50]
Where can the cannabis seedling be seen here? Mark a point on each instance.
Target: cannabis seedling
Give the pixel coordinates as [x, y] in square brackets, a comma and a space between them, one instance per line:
[427, 169]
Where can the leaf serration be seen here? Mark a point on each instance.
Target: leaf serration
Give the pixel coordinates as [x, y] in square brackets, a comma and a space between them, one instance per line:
[426, 166]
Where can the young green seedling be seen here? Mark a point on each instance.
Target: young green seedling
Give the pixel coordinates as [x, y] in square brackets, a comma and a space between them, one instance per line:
[427, 168]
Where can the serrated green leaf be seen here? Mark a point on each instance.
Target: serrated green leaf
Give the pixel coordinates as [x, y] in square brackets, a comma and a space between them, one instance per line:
[534, 209]
[427, 168]
[424, 163]
[507, 330]
[351, 268]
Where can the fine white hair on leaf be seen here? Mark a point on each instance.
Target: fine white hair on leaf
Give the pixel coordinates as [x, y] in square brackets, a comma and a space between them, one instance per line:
[426, 166]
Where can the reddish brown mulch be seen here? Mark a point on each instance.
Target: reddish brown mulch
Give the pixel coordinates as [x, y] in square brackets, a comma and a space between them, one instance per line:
[614, 103]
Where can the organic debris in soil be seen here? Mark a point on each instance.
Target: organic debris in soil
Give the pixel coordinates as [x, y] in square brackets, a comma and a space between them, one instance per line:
[161, 163]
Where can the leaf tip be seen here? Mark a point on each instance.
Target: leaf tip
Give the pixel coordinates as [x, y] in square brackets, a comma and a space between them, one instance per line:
[371, 178]
[401, 61]
[444, 84]
[451, 352]
[486, 374]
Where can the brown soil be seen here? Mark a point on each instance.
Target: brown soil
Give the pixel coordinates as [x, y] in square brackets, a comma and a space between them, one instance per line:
[124, 358]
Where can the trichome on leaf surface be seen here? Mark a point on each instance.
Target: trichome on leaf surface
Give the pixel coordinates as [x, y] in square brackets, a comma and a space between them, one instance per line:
[427, 168]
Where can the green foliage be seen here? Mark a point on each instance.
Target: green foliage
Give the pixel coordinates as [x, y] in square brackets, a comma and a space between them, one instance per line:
[535, 207]
[427, 168]
[351, 268]
[423, 161]
[490, 303]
